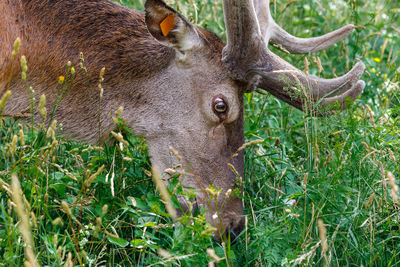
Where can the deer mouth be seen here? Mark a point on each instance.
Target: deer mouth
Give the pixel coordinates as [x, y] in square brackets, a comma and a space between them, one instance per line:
[234, 230]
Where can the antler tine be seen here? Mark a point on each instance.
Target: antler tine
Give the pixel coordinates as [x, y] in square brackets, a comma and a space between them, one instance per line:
[272, 31]
[248, 58]
[353, 93]
[309, 92]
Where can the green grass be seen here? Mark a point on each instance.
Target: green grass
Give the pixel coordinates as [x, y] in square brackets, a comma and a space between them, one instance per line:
[307, 169]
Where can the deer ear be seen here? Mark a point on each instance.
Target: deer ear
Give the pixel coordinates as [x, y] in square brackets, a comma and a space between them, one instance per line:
[169, 27]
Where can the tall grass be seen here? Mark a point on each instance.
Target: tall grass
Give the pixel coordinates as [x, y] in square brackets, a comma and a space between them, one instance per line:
[317, 191]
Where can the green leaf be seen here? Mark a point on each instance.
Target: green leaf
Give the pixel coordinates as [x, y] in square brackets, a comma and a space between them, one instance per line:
[148, 224]
[59, 188]
[118, 241]
[58, 175]
[138, 243]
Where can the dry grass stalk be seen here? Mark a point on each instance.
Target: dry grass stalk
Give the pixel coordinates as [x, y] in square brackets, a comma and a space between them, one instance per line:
[24, 226]
[234, 170]
[17, 44]
[42, 107]
[55, 240]
[228, 193]
[5, 186]
[305, 181]
[366, 146]
[371, 116]
[213, 255]
[14, 53]
[66, 209]
[322, 236]
[175, 152]
[59, 250]
[306, 65]
[112, 183]
[89, 149]
[170, 171]
[69, 262]
[58, 221]
[148, 173]
[119, 138]
[317, 61]
[128, 159]
[257, 141]
[14, 144]
[328, 159]
[370, 201]
[164, 253]
[118, 114]
[104, 209]
[24, 67]
[119, 111]
[307, 256]
[395, 29]
[209, 230]
[395, 188]
[101, 79]
[163, 192]
[51, 132]
[4, 100]
[53, 147]
[93, 176]
[391, 154]
[66, 172]
[212, 192]
[384, 185]
[182, 175]
[21, 135]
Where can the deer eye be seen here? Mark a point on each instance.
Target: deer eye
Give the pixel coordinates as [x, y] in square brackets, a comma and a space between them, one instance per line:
[219, 105]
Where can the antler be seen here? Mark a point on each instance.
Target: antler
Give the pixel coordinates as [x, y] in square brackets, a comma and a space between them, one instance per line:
[250, 26]
[273, 32]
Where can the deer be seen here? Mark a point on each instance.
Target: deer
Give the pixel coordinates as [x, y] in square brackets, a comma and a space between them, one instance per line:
[180, 85]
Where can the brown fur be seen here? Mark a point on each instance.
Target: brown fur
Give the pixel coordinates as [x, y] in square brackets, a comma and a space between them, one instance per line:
[108, 34]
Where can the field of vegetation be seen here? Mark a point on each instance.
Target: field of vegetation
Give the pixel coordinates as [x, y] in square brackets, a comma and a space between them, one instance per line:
[317, 191]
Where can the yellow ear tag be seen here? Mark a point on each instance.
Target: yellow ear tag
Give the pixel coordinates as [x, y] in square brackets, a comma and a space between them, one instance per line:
[167, 24]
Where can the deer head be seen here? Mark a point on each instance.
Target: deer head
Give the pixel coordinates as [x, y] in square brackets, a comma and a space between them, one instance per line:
[212, 137]
[180, 85]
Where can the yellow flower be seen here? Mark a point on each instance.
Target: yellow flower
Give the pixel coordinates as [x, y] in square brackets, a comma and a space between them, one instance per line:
[61, 79]
[72, 71]
[24, 67]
